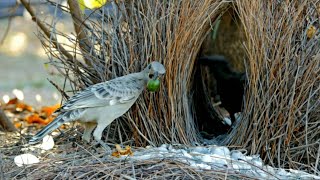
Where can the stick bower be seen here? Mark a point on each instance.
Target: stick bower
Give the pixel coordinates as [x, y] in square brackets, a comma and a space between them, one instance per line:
[280, 117]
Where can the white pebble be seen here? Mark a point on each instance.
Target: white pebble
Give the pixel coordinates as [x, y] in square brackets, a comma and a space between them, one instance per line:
[18, 93]
[219, 161]
[257, 161]
[163, 148]
[237, 155]
[25, 159]
[47, 143]
[221, 151]
[282, 172]
[38, 98]
[6, 98]
[200, 165]
[227, 121]
[206, 158]
[201, 150]
[187, 155]
[241, 166]
[55, 96]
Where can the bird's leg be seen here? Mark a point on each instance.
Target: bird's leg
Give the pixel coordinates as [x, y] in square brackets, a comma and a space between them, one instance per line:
[89, 127]
[97, 134]
[104, 146]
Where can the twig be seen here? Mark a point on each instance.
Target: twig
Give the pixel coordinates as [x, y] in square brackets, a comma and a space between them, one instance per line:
[13, 9]
[78, 21]
[1, 168]
[46, 31]
[59, 89]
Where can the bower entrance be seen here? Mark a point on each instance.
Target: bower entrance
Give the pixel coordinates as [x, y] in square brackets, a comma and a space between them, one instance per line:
[225, 39]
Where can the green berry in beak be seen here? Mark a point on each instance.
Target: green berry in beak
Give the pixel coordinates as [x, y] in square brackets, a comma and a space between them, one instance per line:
[153, 85]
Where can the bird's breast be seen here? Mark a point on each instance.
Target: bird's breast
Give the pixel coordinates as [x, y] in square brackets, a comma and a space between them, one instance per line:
[107, 113]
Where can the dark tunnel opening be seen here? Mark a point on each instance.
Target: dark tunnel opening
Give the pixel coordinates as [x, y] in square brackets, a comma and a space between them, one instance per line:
[213, 96]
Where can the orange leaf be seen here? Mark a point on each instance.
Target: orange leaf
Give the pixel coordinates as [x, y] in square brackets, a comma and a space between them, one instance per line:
[119, 151]
[18, 125]
[48, 120]
[48, 110]
[13, 101]
[116, 154]
[16, 105]
[21, 107]
[35, 118]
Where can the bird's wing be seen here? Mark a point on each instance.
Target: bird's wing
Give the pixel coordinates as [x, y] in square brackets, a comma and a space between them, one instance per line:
[116, 91]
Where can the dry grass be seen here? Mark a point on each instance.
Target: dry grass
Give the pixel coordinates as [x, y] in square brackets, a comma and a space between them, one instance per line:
[75, 161]
[281, 115]
[142, 31]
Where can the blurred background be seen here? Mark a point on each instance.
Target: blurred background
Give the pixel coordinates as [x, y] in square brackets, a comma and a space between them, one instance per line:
[23, 70]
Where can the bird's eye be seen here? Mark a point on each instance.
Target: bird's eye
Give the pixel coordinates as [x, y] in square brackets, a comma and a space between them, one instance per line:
[151, 76]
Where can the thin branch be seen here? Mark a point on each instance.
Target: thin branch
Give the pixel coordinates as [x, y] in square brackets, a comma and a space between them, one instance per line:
[78, 20]
[46, 31]
[12, 11]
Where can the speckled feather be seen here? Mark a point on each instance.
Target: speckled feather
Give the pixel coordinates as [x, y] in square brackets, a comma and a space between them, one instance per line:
[119, 90]
[101, 103]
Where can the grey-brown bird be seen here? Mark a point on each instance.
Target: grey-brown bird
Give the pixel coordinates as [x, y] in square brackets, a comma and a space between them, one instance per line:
[99, 105]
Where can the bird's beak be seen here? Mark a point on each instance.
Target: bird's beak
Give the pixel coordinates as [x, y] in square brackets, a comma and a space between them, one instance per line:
[156, 76]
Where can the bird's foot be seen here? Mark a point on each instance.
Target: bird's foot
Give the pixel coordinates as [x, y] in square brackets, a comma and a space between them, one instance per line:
[104, 146]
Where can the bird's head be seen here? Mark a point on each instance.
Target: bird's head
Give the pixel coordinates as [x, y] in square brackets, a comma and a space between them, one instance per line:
[152, 73]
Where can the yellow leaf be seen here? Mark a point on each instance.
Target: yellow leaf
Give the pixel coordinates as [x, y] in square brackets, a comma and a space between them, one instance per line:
[46, 66]
[82, 5]
[91, 4]
[311, 31]
[120, 152]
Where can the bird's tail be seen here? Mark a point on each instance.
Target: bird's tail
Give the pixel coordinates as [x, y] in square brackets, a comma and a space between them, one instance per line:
[57, 122]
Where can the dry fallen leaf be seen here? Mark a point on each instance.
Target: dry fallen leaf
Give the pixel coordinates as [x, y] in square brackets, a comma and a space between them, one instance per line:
[35, 118]
[121, 152]
[48, 110]
[16, 105]
[23, 107]
[13, 101]
[18, 125]
[311, 31]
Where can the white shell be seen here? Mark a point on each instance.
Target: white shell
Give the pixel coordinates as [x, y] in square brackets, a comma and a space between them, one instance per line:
[25, 159]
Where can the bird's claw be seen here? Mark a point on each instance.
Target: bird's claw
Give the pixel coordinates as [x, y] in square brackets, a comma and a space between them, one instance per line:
[104, 146]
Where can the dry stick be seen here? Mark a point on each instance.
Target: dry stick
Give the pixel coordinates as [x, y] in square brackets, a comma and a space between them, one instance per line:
[59, 89]
[6, 31]
[5, 122]
[317, 160]
[12, 10]
[78, 20]
[141, 133]
[1, 168]
[46, 31]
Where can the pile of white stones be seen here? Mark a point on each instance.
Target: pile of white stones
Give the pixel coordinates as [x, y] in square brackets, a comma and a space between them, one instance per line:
[221, 158]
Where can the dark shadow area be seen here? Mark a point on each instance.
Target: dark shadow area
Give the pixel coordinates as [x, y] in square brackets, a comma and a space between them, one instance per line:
[213, 84]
